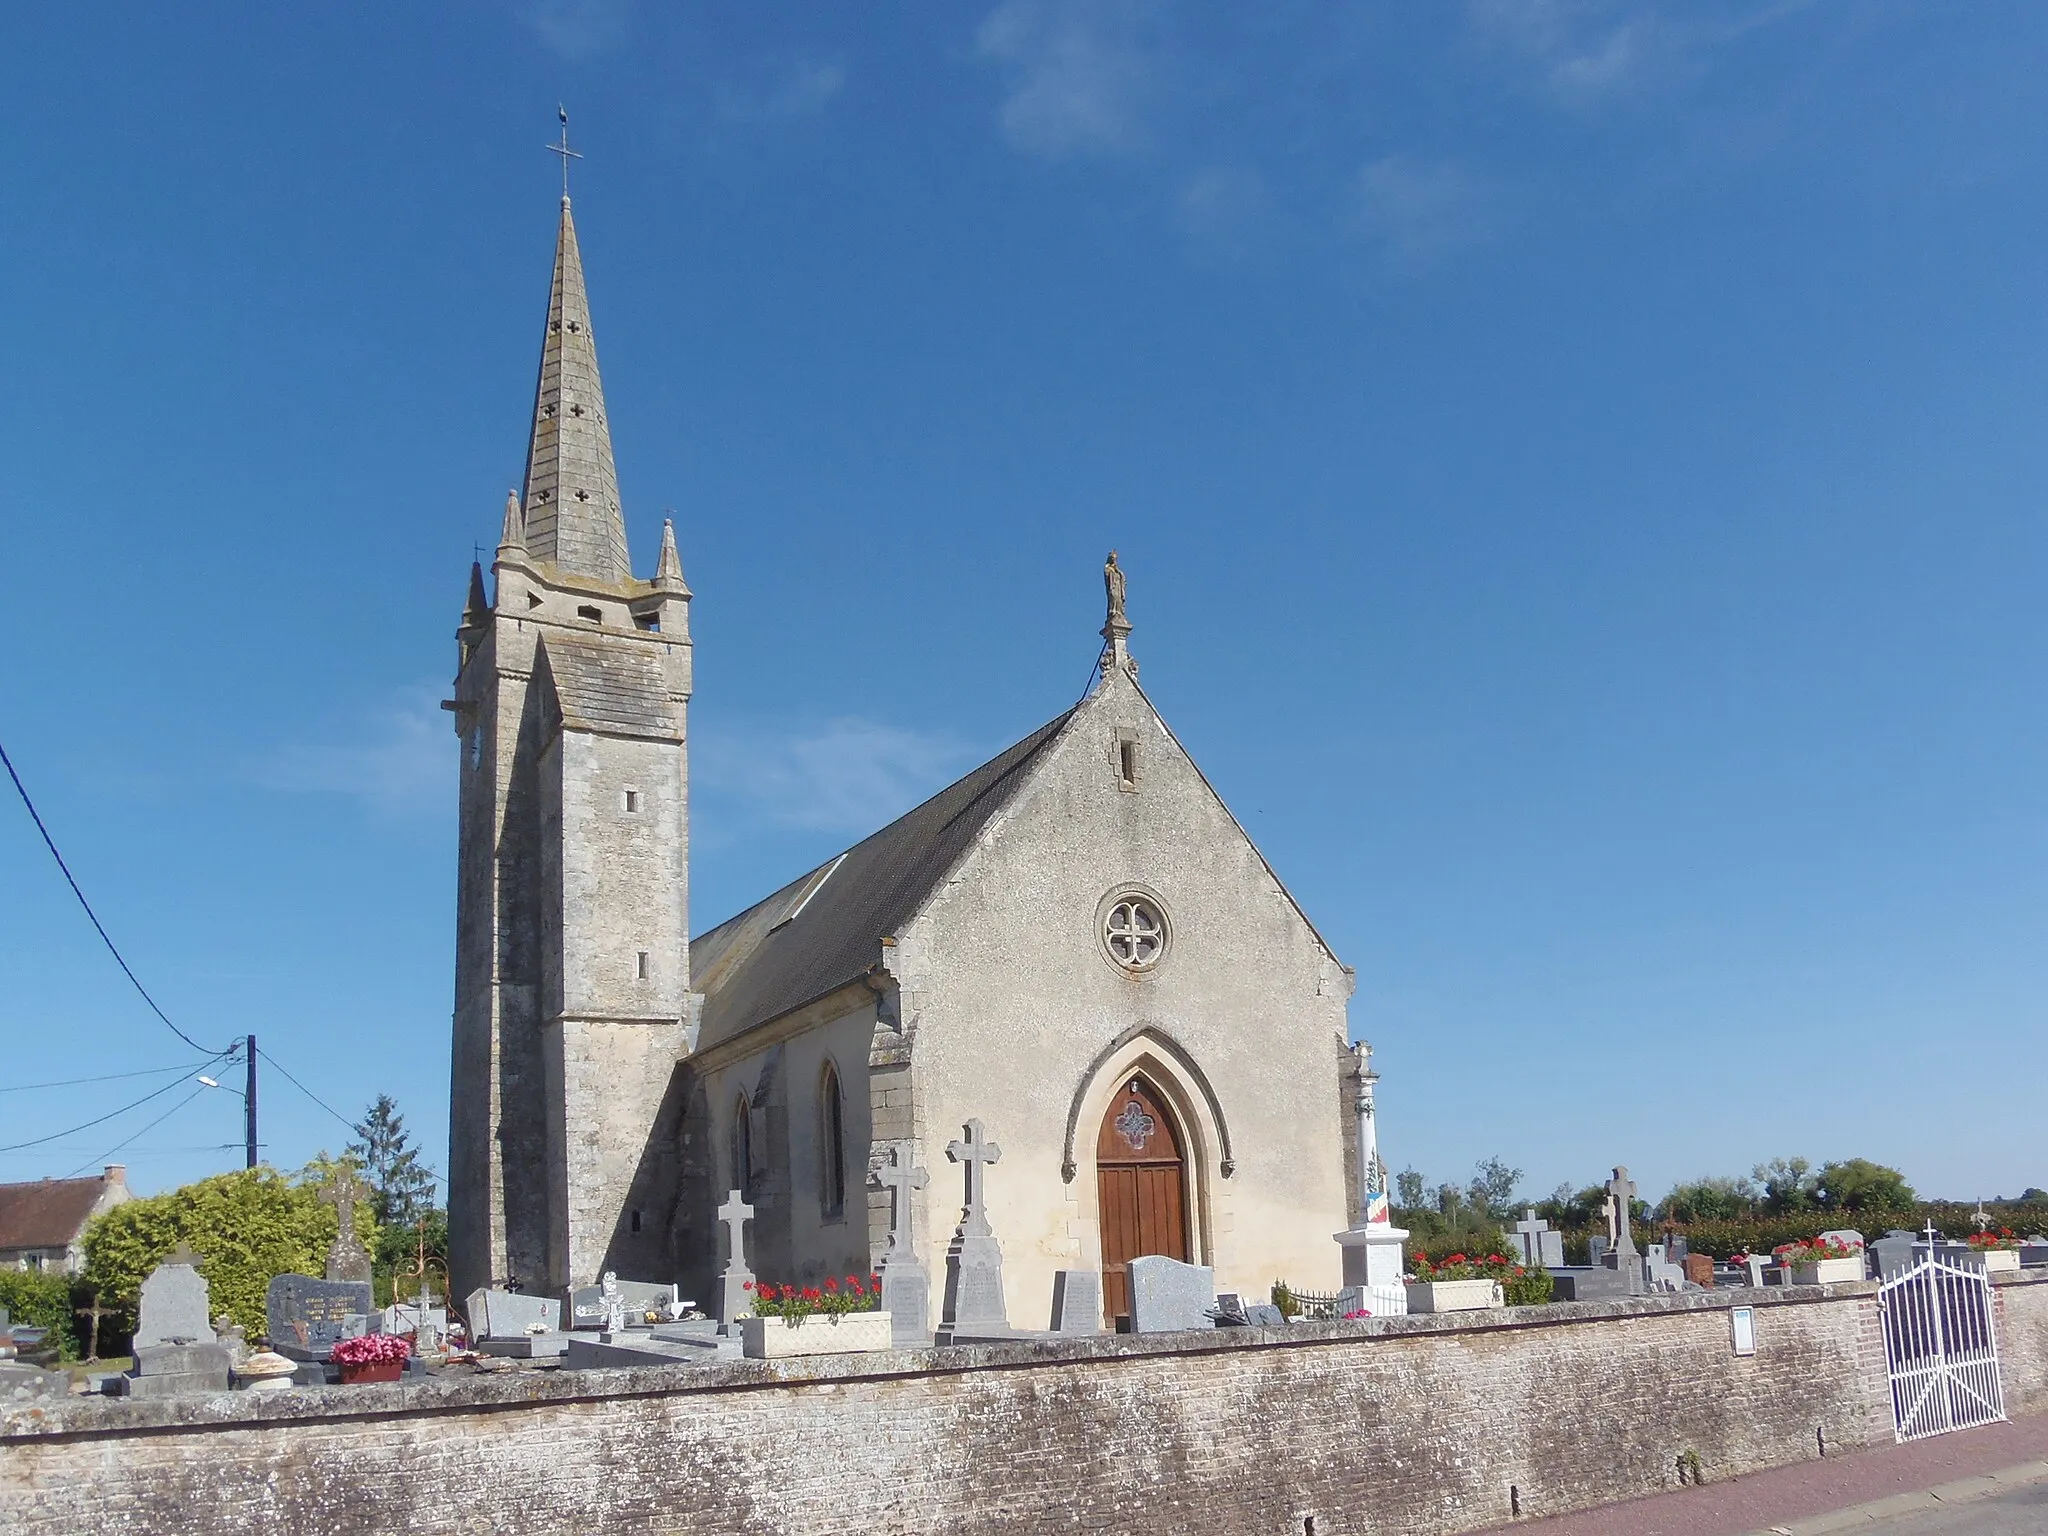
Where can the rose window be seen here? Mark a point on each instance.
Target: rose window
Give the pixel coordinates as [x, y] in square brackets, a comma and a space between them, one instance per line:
[1135, 933]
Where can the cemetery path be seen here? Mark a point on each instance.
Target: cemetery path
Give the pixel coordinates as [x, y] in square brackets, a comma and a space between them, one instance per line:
[1809, 1490]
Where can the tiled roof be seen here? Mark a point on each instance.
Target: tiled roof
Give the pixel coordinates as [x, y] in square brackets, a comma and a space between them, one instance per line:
[49, 1213]
[821, 931]
[608, 686]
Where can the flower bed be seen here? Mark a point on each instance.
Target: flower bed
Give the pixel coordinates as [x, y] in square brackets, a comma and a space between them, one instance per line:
[371, 1357]
[834, 1298]
[1820, 1261]
[1519, 1284]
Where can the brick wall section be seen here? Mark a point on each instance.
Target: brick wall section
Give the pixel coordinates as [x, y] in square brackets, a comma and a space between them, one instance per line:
[1414, 1426]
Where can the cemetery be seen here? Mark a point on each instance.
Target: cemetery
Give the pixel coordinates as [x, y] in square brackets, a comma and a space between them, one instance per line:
[1488, 1387]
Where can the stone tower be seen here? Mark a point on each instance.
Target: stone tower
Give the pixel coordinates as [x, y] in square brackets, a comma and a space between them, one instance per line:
[572, 985]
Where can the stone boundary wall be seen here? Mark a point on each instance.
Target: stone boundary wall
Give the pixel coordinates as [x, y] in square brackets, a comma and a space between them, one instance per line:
[1411, 1425]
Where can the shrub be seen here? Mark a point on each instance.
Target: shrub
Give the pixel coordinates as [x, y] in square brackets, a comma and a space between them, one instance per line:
[41, 1299]
[1528, 1288]
[247, 1227]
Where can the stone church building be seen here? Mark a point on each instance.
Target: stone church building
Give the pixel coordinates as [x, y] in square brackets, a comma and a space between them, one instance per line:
[1076, 944]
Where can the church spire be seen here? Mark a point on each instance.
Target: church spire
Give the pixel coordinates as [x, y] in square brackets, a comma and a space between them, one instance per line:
[668, 569]
[572, 515]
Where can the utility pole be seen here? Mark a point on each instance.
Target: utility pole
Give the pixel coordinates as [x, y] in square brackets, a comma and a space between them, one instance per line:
[249, 1102]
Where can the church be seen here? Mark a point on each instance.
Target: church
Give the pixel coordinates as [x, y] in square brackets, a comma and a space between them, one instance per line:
[1075, 949]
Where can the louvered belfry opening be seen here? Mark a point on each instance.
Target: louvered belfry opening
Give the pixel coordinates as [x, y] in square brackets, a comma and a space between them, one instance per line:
[1141, 1184]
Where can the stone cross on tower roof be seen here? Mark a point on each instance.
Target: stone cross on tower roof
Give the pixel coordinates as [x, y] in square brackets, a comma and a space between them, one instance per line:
[977, 1152]
[571, 513]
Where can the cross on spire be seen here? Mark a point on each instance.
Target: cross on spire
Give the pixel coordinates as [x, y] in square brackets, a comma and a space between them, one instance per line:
[564, 151]
[977, 1152]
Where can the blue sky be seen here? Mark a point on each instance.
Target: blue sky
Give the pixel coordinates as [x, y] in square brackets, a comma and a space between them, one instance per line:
[1579, 466]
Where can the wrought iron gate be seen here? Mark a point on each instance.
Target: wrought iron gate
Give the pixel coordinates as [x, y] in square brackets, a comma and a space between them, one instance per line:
[1940, 1352]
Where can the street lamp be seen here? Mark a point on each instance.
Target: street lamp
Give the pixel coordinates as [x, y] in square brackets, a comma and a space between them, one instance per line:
[248, 1097]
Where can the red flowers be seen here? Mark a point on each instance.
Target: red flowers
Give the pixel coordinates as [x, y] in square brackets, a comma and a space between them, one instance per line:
[831, 1297]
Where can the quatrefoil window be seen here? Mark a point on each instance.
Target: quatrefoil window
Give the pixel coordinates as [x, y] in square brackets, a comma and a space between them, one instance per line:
[1134, 931]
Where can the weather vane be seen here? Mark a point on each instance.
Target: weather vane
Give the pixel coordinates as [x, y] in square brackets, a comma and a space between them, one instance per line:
[563, 149]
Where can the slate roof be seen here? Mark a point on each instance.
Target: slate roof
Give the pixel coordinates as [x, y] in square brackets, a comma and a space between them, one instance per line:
[605, 686]
[48, 1213]
[825, 929]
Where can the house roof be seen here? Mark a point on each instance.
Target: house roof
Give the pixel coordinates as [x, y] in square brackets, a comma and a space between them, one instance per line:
[825, 928]
[49, 1213]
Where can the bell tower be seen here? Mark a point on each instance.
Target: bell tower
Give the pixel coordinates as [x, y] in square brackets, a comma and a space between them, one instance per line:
[572, 986]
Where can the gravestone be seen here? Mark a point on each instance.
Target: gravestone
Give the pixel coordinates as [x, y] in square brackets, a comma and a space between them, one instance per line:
[1621, 1190]
[1677, 1247]
[1539, 1244]
[733, 1294]
[1699, 1269]
[173, 1308]
[2033, 1252]
[1168, 1296]
[906, 1284]
[307, 1317]
[1587, 1282]
[974, 1305]
[1758, 1265]
[1659, 1272]
[1893, 1251]
[347, 1258]
[589, 1306]
[510, 1314]
[175, 1349]
[1263, 1314]
[1596, 1250]
[1076, 1301]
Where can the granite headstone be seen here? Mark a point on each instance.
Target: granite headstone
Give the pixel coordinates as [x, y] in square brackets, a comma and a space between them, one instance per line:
[173, 1308]
[1076, 1301]
[511, 1314]
[308, 1316]
[1168, 1296]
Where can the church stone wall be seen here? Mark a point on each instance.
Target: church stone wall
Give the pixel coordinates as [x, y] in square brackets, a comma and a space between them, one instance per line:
[1414, 1426]
[1016, 1004]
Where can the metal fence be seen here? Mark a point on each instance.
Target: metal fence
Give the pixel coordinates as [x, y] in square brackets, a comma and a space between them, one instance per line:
[1940, 1350]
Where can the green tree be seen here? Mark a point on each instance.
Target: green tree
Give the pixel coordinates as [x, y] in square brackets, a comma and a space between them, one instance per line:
[246, 1227]
[401, 1189]
[1858, 1184]
[1493, 1187]
[1574, 1211]
[1408, 1188]
[1788, 1184]
[1709, 1198]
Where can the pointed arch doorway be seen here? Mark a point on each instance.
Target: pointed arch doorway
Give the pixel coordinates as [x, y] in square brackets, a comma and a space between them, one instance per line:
[1141, 1187]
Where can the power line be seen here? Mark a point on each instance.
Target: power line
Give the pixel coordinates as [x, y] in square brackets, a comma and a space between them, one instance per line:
[51, 843]
[111, 1077]
[155, 1093]
[93, 1162]
[271, 1057]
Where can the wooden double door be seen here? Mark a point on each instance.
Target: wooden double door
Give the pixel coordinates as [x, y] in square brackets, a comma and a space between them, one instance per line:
[1141, 1188]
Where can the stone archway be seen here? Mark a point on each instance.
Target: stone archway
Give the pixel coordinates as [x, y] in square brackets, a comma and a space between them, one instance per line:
[1141, 1178]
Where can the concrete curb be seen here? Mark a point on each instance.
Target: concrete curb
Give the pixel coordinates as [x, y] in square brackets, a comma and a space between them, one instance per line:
[1961, 1491]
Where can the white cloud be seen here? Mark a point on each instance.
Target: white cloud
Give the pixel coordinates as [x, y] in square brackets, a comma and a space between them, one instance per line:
[580, 29]
[1417, 210]
[400, 755]
[792, 91]
[1076, 80]
[847, 775]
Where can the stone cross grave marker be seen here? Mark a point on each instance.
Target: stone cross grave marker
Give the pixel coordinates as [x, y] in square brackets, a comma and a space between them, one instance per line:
[1621, 1189]
[906, 1286]
[974, 1261]
[977, 1152]
[1537, 1241]
[733, 1299]
[899, 1178]
[347, 1258]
